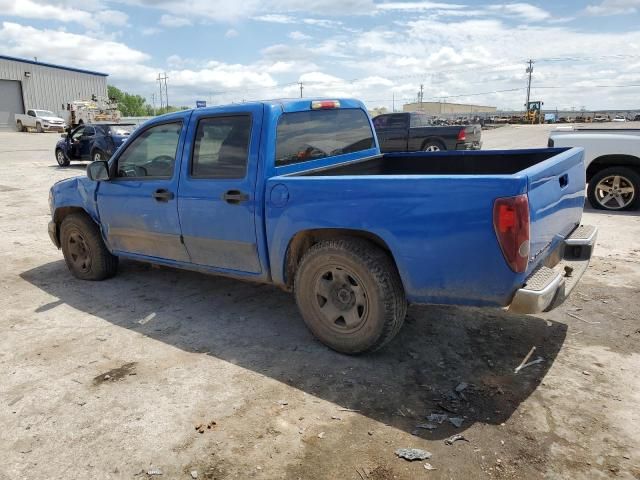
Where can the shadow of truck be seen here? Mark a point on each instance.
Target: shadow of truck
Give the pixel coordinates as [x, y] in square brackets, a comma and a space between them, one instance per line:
[258, 328]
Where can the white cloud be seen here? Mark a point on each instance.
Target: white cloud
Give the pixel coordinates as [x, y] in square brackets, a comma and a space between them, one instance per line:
[174, 22]
[112, 17]
[299, 36]
[321, 22]
[91, 17]
[150, 31]
[68, 48]
[614, 7]
[231, 33]
[418, 6]
[525, 11]
[275, 18]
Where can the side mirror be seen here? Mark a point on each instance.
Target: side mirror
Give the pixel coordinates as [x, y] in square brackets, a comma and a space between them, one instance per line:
[63, 135]
[98, 171]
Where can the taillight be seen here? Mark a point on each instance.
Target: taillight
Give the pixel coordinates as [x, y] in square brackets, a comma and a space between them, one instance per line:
[462, 135]
[511, 223]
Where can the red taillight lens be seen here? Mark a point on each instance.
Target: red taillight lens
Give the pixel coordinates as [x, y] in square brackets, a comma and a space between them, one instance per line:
[462, 135]
[324, 104]
[511, 223]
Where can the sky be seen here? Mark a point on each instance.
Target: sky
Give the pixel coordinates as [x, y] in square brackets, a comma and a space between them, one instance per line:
[586, 53]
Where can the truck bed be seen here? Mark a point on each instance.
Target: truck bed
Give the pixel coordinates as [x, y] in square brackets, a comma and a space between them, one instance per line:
[485, 162]
[436, 211]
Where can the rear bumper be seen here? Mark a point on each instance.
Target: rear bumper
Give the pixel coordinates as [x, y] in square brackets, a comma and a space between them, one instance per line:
[469, 146]
[547, 287]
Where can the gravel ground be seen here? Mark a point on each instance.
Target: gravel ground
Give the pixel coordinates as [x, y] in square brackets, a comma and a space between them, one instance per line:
[125, 378]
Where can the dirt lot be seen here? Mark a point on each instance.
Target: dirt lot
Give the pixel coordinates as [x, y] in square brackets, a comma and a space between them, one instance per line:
[112, 379]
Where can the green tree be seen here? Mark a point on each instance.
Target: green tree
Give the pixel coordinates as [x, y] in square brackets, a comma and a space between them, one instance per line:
[128, 104]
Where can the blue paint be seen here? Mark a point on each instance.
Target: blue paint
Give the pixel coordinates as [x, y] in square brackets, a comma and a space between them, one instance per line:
[439, 228]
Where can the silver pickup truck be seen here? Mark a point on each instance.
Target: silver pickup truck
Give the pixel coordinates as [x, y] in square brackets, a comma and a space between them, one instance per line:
[612, 160]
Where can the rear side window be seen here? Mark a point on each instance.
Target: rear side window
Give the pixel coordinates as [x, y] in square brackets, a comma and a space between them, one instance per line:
[304, 136]
[221, 147]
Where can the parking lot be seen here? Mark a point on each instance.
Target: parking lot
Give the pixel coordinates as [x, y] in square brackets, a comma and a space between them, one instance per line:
[163, 373]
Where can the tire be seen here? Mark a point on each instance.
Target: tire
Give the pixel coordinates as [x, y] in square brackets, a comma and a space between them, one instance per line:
[20, 127]
[433, 146]
[98, 155]
[39, 128]
[84, 250]
[615, 189]
[62, 160]
[350, 295]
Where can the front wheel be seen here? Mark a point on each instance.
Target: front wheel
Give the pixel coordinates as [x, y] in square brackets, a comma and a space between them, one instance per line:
[350, 295]
[39, 128]
[62, 160]
[615, 188]
[84, 251]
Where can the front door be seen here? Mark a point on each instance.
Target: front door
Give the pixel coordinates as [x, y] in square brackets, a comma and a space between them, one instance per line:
[216, 199]
[392, 132]
[74, 143]
[86, 140]
[138, 206]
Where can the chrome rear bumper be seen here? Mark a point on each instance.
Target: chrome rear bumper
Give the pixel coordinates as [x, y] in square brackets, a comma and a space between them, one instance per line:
[547, 287]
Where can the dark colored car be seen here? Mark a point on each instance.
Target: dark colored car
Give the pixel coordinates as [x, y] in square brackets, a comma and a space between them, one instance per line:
[93, 141]
[412, 132]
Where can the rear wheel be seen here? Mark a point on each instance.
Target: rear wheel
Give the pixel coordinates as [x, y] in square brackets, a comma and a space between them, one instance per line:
[61, 159]
[350, 295]
[84, 251]
[615, 188]
[20, 127]
[433, 146]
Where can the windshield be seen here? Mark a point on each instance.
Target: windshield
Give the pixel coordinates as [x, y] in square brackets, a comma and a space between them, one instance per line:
[121, 129]
[44, 113]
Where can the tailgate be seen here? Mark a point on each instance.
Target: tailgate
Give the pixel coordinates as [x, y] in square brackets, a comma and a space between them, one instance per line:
[473, 133]
[556, 200]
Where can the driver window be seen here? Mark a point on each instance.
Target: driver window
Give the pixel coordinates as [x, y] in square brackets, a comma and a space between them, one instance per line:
[77, 134]
[152, 153]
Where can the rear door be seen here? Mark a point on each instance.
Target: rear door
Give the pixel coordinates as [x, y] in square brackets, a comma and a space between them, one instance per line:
[392, 131]
[556, 199]
[138, 206]
[217, 198]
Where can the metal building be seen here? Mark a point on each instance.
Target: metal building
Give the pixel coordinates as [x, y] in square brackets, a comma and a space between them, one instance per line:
[28, 84]
[435, 108]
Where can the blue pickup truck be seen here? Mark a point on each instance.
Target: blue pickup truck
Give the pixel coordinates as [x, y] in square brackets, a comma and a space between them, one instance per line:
[296, 193]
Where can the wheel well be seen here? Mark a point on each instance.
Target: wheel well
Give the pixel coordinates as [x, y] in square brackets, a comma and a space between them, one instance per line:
[304, 240]
[433, 140]
[607, 161]
[62, 212]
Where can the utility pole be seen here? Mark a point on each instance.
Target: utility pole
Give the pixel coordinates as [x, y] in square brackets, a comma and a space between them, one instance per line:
[301, 88]
[529, 71]
[421, 95]
[164, 95]
[153, 103]
[393, 100]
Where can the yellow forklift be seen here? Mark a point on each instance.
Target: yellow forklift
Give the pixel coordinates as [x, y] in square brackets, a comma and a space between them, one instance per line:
[534, 112]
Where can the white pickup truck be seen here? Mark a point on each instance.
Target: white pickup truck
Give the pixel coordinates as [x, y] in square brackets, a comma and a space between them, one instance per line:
[41, 120]
[612, 159]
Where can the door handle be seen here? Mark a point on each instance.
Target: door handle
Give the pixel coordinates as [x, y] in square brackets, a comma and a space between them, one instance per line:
[235, 197]
[162, 195]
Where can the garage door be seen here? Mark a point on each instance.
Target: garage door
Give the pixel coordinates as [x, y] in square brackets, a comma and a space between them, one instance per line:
[10, 101]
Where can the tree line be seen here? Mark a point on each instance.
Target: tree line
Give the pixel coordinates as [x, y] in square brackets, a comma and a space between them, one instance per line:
[136, 105]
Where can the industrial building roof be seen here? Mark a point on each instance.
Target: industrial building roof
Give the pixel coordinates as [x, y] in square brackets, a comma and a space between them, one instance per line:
[51, 65]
